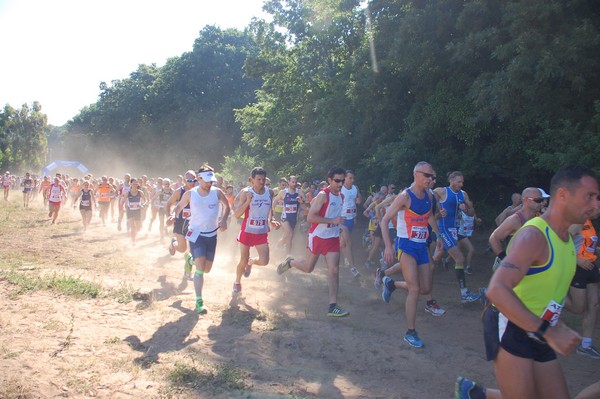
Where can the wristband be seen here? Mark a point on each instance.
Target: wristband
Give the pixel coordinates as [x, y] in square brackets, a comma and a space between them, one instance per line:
[539, 334]
[502, 255]
[441, 235]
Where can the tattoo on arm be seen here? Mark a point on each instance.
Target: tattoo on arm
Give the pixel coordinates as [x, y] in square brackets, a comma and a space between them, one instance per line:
[508, 265]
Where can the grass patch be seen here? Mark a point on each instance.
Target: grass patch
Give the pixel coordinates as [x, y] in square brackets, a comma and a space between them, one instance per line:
[68, 285]
[15, 389]
[207, 376]
[123, 293]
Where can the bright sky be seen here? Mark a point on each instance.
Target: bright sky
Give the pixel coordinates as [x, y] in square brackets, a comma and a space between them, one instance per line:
[58, 51]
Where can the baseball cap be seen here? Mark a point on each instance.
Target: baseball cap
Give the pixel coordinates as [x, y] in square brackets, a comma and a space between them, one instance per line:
[544, 194]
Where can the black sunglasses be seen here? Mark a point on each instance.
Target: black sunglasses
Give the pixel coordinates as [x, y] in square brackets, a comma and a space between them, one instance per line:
[427, 175]
[538, 200]
[339, 180]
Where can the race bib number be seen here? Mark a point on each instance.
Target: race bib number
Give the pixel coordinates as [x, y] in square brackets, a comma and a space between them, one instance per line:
[104, 196]
[134, 206]
[257, 222]
[192, 235]
[291, 208]
[186, 213]
[454, 233]
[419, 234]
[350, 211]
[552, 313]
[85, 202]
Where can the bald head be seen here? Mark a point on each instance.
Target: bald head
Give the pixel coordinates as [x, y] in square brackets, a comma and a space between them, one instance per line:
[531, 192]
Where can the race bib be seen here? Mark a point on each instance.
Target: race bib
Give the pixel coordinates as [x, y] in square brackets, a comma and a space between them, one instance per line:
[186, 213]
[552, 313]
[104, 195]
[418, 234]
[594, 243]
[134, 206]
[453, 233]
[257, 222]
[192, 235]
[291, 208]
[85, 202]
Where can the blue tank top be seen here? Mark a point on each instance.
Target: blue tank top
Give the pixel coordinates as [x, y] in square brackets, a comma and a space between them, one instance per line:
[185, 212]
[290, 207]
[420, 206]
[451, 205]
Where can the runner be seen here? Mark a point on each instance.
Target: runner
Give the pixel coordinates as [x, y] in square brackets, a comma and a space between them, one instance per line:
[453, 199]
[516, 201]
[204, 203]
[292, 199]
[180, 222]
[255, 204]
[530, 207]
[45, 189]
[414, 210]
[86, 194]
[103, 192]
[56, 194]
[466, 225]
[583, 293]
[7, 181]
[352, 198]
[27, 184]
[163, 195]
[325, 216]
[522, 331]
[133, 202]
[122, 194]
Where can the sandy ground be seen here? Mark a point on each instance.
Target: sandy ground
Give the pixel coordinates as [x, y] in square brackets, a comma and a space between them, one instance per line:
[274, 342]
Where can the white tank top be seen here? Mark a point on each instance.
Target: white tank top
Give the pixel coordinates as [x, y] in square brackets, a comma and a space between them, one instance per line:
[330, 210]
[55, 193]
[349, 208]
[205, 212]
[257, 213]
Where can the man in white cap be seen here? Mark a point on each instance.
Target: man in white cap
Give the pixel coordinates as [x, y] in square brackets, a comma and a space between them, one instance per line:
[204, 222]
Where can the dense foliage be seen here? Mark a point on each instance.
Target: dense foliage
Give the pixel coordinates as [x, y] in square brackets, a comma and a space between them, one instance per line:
[503, 90]
[23, 142]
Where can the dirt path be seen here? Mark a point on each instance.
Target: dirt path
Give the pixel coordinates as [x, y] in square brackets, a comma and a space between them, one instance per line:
[274, 342]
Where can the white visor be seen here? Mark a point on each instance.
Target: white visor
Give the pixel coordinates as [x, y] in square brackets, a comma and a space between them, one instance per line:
[207, 176]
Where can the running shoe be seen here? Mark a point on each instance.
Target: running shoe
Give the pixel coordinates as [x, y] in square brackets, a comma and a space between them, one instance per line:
[463, 388]
[434, 309]
[469, 270]
[413, 339]
[388, 288]
[379, 275]
[237, 289]
[200, 306]
[589, 352]
[172, 248]
[355, 272]
[336, 311]
[468, 296]
[285, 265]
[247, 270]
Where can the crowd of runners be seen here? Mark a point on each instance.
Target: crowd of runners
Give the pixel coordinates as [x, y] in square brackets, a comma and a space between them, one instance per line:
[552, 243]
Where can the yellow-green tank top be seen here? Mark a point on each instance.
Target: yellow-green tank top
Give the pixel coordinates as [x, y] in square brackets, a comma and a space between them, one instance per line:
[548, 283]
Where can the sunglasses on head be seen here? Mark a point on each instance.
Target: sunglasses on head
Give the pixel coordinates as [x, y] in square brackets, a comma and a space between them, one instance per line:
[538, 200]
[339, 180]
